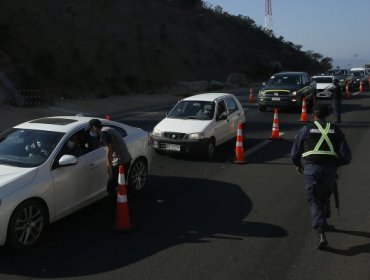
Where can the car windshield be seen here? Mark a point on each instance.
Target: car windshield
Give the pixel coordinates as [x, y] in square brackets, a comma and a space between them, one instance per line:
[358, 74]
[323, 79]
[199, 110]
[27, 147]
[289, 79]
[337, 72]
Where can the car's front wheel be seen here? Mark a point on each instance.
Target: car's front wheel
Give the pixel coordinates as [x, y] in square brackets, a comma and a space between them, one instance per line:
[137, 175]
[210, 149]
[27, 224]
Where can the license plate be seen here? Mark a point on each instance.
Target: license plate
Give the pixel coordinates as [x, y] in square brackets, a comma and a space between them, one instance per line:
[172, 147]
[275, 98]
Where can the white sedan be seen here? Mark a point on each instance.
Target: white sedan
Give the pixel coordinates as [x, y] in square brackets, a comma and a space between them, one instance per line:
[51, 167]
[199, 123]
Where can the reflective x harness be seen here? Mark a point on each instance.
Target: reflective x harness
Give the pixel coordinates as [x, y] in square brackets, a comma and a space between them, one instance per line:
[324, 137]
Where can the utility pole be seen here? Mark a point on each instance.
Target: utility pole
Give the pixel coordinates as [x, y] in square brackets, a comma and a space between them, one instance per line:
[355, 56]
[268, 16]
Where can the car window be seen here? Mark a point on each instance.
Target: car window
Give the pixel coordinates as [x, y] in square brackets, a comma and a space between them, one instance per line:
[231, 105]
[221, 108]
[193, 109]
[27, 147]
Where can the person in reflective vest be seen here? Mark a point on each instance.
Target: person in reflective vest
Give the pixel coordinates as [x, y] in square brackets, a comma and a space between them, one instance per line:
[318, 150]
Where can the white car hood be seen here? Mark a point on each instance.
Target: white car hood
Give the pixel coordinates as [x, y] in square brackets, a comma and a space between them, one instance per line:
[182, 126]
[13, 178]
[322, 86]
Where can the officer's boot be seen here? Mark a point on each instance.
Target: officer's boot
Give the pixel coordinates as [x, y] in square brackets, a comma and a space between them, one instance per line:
[322, 241]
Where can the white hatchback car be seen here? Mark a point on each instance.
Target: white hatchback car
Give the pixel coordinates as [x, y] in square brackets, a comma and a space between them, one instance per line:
[51, 167]
[199, 123]
[324, 86]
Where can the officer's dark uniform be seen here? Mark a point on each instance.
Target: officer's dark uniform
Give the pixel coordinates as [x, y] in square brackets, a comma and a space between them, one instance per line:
[323, 148]
[337, 100]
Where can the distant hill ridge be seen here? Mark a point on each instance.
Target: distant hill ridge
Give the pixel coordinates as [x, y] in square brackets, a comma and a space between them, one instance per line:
[115, 47]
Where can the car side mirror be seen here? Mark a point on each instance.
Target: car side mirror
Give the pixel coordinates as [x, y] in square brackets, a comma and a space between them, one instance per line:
[222, 116]
[67, 160]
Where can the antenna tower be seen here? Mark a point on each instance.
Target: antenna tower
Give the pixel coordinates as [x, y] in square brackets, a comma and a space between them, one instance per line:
[268, 16]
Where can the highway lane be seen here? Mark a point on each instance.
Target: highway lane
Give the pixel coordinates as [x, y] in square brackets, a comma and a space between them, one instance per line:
[218, 220]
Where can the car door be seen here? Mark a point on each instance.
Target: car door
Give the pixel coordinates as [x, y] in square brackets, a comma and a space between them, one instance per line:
[221, 131]
[77, 185]
[235, 116]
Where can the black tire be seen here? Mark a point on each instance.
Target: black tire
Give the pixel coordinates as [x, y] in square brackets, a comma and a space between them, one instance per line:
[137, 175]
[210, 150]
[27, 224]
[159, 152]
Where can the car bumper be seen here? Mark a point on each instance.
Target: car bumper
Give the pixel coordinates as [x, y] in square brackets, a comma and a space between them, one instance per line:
[4, 221]
[180, 146]
[323, 94]
[282, 102]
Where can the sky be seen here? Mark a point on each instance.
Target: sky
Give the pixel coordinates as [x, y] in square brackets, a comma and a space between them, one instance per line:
[339, 29]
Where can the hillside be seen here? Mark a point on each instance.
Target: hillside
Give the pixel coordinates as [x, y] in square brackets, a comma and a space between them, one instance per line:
[114, 47]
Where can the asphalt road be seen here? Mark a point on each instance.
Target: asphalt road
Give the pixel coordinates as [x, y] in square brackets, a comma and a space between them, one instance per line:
[218, 220]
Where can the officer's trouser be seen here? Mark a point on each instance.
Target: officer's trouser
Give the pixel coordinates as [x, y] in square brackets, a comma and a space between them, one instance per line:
[319, 180]
[337, 104]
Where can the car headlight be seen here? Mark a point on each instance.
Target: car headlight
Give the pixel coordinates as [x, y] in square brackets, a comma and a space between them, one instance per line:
[157, 133]
[261, 93]
[294, 93]
[196, 136]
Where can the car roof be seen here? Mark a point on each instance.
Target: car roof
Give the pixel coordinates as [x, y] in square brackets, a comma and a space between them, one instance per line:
[323, 76]
[57, 123]
[207, 96]
[290, 73]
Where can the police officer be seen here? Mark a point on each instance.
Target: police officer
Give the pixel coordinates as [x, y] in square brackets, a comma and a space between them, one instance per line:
[323, 147]
[337, 100]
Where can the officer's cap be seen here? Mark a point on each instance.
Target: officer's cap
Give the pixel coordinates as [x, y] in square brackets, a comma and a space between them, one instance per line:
[321, 110]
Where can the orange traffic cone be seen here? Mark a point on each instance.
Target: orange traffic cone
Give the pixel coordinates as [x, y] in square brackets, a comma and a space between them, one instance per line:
[304, 117]
[123, 222]
[239, 150]
[348, 95]
[250, 98]
[361, 86]
[107, 117]
[275, 134]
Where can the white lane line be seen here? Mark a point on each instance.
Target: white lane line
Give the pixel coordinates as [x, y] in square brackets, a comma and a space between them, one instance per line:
[260, 146]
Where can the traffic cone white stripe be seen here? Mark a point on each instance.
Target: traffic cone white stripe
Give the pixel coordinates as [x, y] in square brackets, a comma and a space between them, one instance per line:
[121, 198]
[121, 179]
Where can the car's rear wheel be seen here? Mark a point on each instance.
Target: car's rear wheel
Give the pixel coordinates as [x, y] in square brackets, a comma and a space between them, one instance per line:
[27, 224]
[137, 175]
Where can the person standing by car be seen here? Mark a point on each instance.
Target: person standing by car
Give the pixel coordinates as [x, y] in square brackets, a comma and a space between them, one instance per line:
[323, 148]
[337, 100]
[116, 153]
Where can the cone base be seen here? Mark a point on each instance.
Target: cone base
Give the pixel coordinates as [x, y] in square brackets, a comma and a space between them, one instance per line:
[239, 161]
[303, 121]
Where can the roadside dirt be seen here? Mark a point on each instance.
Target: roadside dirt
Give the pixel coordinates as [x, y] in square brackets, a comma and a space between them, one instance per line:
[88, 106]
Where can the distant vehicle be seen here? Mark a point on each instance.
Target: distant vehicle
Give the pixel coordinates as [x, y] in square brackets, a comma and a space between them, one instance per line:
[343, 75]
[324, 85]
[360, 75]
[199, 123]
[52, 167]
[287, 89]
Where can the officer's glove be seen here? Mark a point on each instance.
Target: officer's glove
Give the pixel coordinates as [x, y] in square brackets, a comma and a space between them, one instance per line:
[299, 169]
